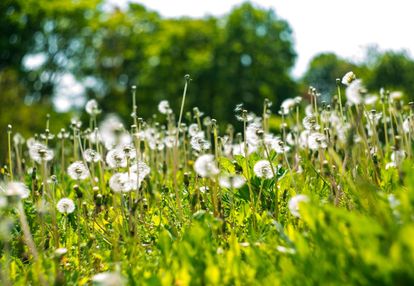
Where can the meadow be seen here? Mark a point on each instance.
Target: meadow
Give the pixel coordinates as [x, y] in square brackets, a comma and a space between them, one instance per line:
[315, 193]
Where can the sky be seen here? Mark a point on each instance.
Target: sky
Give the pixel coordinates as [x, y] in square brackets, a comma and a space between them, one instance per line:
[343, 27]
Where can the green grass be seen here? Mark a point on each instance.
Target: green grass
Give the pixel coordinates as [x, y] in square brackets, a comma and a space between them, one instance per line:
[179, 228]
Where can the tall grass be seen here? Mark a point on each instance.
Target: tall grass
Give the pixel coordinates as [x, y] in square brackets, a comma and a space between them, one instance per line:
[321, 194]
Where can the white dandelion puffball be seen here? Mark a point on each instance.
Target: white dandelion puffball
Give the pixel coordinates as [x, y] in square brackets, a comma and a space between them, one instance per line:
[193, 130]
[108, 279]
[199, 144]
[310, 123]
[91, 155]
[263, 169]
[164, 107]
[78, 171]
[65, 206]
[141, 169]
[3, 202]
[294, 204]
[92, 107]
[348, 78]
[317, 140]
[40, 153]
[354, 92]
[16, 189]
[235, 182]
[206, 166]
[116, 159]
[123, 182]
[287, 105]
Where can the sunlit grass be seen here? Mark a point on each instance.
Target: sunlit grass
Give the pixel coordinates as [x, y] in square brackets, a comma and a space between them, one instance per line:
[322, 194]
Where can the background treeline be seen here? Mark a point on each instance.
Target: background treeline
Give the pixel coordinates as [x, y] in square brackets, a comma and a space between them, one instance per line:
[73, 50]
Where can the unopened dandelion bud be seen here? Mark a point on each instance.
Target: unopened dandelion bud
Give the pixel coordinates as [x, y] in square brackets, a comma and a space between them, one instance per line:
[397, 142]
[375, 158]
[186, 179]
[338, 81]
[78, 191]
[34, 173]
[196, 111]
[135, 206]
[53, 178]
[98, 200]
[237, 167]
[187, 78]
[9, 128]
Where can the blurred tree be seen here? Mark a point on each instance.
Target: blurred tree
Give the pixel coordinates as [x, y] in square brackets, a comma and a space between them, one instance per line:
[119, 56]
[39, 42]
[183, 46]
[323, 71]
[63, 50]
[243, 57]
[392, 70]
[253, 61]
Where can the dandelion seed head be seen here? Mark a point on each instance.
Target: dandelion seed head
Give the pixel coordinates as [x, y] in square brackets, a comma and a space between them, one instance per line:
[310, 123]
[234, 181]
[119, 183]
[263, 169]
[116, 159]
[317, 140]
[193, 130]
[206, 166]
[108, 279]
[91, 155]
[169, 141]
[354, 92]
[398, 156]
[92, 107]
[288, 105]
[18, 139]
[78, 171]
[40, 153]
[370, 100]
[198, 142]
[396, 96]
[65, 206]
[164, 107]
[408, 125]
[141, 169]
[348, 78]
[15, 190]
[295, 202]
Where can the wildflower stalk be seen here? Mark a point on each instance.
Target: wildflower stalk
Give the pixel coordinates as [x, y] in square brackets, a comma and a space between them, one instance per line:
[338, 86]
[175, 170]
[6, 265]
[275, 177]
[9, 131]
[55, 227]
[28, 238]
[18, 153]
[384, 121]
[215, 198]
[246, 161]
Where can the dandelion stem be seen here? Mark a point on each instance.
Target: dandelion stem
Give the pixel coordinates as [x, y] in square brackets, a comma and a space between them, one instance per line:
[9, 131]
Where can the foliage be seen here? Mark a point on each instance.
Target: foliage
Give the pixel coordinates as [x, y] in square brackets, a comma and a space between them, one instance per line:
[330, 203]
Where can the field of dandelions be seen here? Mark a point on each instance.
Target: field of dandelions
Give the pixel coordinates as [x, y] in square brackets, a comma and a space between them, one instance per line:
[316, 194]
